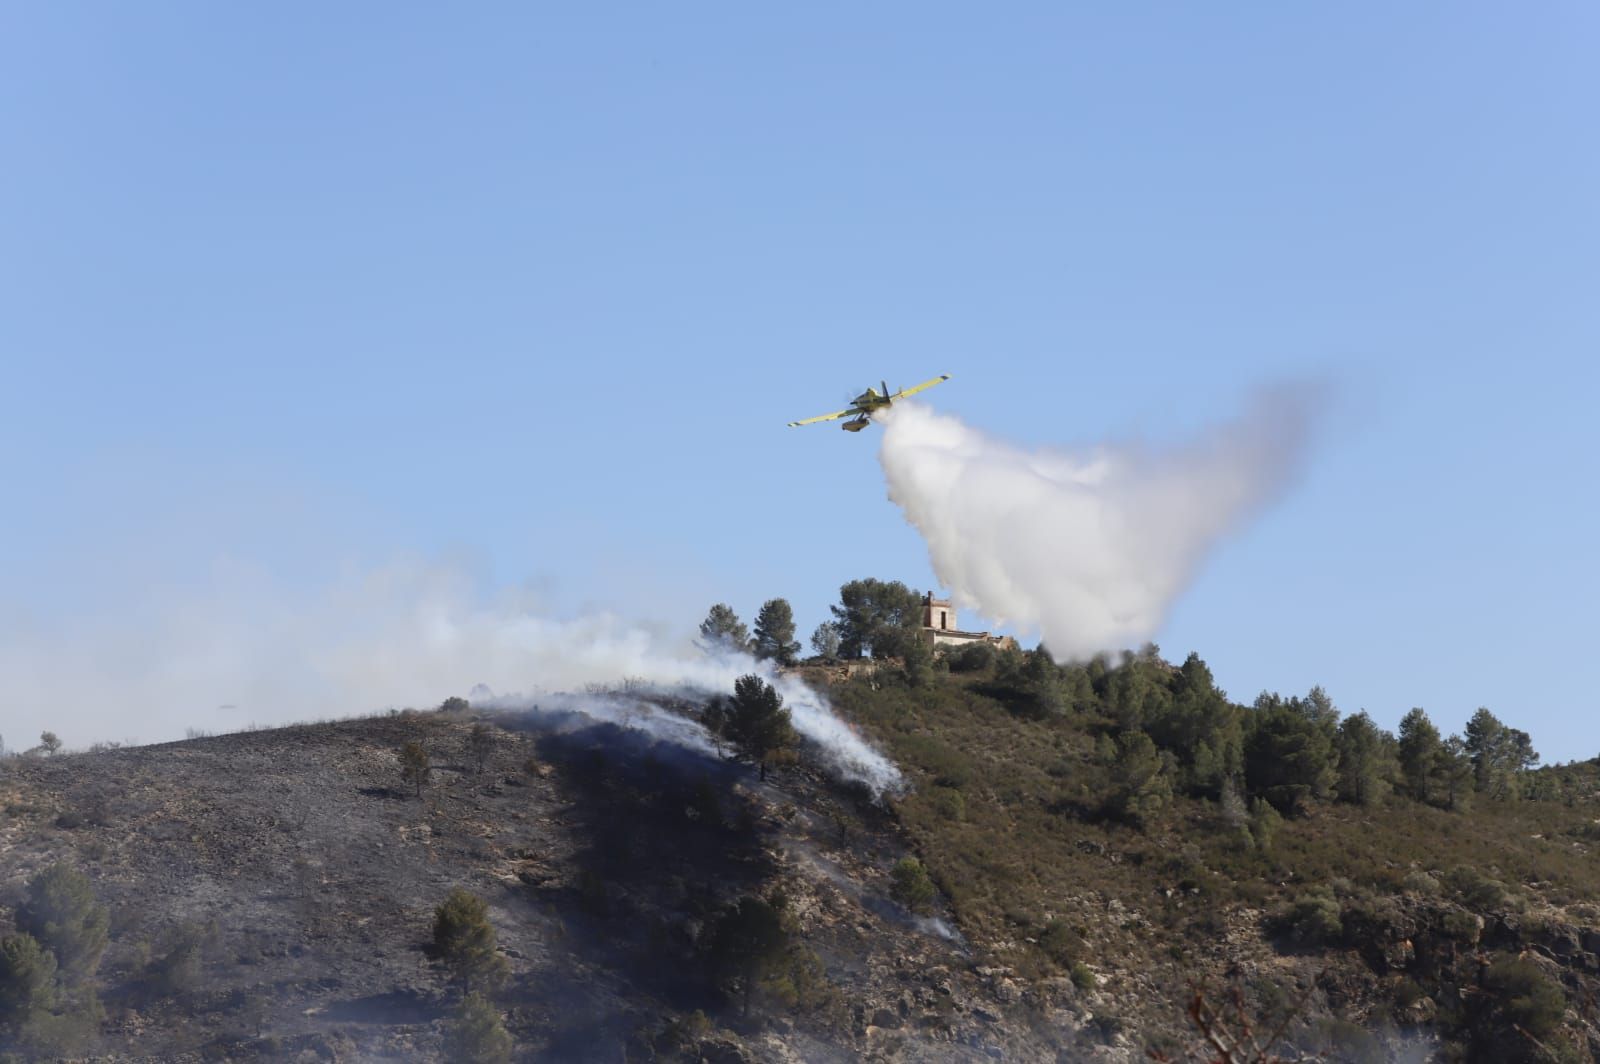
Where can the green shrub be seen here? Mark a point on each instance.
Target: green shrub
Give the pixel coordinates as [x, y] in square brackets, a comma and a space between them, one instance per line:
[1265, 821]
[749, 941]
[60, 911]
[1313, 919]
[910, 886]
[1462, 926]
[415, 766]
[1353, 1044]
[1082, 977]
[1407, 992]
[948, 766]
[799, 980]
[27, 980]
[1143, 788]
[1060, 943]
[974, 657]
[476, 1034]
[682, 1035]
[1520, 996]
[69, 1033]
[481, 743]
[178, 968]
[949, 803]
[1477, 890]
[465, 941]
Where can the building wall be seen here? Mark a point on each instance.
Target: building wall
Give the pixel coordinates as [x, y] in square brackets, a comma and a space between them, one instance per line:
[936, 638]
[939, 614]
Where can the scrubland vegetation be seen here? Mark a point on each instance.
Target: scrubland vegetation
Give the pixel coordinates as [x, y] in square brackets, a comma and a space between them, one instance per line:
[1041, 792]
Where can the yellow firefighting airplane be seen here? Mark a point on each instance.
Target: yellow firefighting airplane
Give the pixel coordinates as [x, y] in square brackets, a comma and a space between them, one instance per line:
[862, 406]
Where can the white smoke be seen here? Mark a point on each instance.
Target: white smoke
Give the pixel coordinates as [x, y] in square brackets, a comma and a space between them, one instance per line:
[635, 711]
[1090, 549]
[245, 651]
[843, 752]
[696, 674]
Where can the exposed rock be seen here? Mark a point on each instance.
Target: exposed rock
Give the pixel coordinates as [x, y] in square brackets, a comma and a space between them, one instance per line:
[1006, 991]
[724, 1051]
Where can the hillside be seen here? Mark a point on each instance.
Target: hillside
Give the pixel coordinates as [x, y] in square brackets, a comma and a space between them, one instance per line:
[1369, 931]
[271, 895]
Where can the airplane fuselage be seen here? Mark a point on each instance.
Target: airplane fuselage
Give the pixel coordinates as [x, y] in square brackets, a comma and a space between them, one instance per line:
[862, 407]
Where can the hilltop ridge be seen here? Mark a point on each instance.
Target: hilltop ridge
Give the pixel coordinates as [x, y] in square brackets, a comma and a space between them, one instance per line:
[271, 894]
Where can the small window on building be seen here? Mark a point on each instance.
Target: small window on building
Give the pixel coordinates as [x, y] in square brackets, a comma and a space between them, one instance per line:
[942, 623]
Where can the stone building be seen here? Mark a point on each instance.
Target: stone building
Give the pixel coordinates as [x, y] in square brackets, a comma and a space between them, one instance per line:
[941, 629]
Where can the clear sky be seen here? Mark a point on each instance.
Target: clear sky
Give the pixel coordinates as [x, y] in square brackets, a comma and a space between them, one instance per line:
[527, 293]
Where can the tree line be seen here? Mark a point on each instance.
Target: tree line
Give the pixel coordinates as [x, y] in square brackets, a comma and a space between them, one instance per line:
[873, 618]
[1170, 728]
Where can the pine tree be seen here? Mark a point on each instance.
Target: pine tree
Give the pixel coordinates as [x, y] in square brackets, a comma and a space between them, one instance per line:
[415, 767]
[1288, 758]
[1452, 770]
[27, 980]
[1320, 710]
[1042, 684]
[1419, 750]
[1235, 814]
[1499, 755]
[1483, 741]
[919, 664]
[1136, 693]
[465, 940]
[877, 617]
[480, 744]
[1143, 788]
[756, 722]
[910, 886]
[775, 639]
[723, 631]
[61, 912]
[747, 941]
[825, 640]
[1194, 721]
[1365, 760]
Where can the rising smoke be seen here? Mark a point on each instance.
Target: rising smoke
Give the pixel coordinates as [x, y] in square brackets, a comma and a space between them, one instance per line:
[1090, 549]
[635, 704]
[245, 651]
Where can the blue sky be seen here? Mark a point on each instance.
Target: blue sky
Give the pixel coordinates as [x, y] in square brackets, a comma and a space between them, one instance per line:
[529, 294]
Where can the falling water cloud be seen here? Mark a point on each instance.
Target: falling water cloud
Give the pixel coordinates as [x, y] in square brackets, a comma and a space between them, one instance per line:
[1089, 548]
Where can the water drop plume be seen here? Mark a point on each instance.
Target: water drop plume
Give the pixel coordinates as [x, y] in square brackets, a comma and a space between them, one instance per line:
[1089, 548]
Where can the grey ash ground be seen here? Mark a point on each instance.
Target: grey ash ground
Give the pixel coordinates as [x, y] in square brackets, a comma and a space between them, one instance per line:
[308, 872]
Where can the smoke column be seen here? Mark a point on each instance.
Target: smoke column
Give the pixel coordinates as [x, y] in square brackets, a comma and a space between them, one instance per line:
[1090, 549]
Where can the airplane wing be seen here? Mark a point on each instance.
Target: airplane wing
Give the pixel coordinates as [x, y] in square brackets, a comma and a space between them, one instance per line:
[836, 415]
[924, 386]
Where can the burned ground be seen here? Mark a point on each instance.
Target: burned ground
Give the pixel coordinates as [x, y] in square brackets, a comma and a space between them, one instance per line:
[293, 875]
